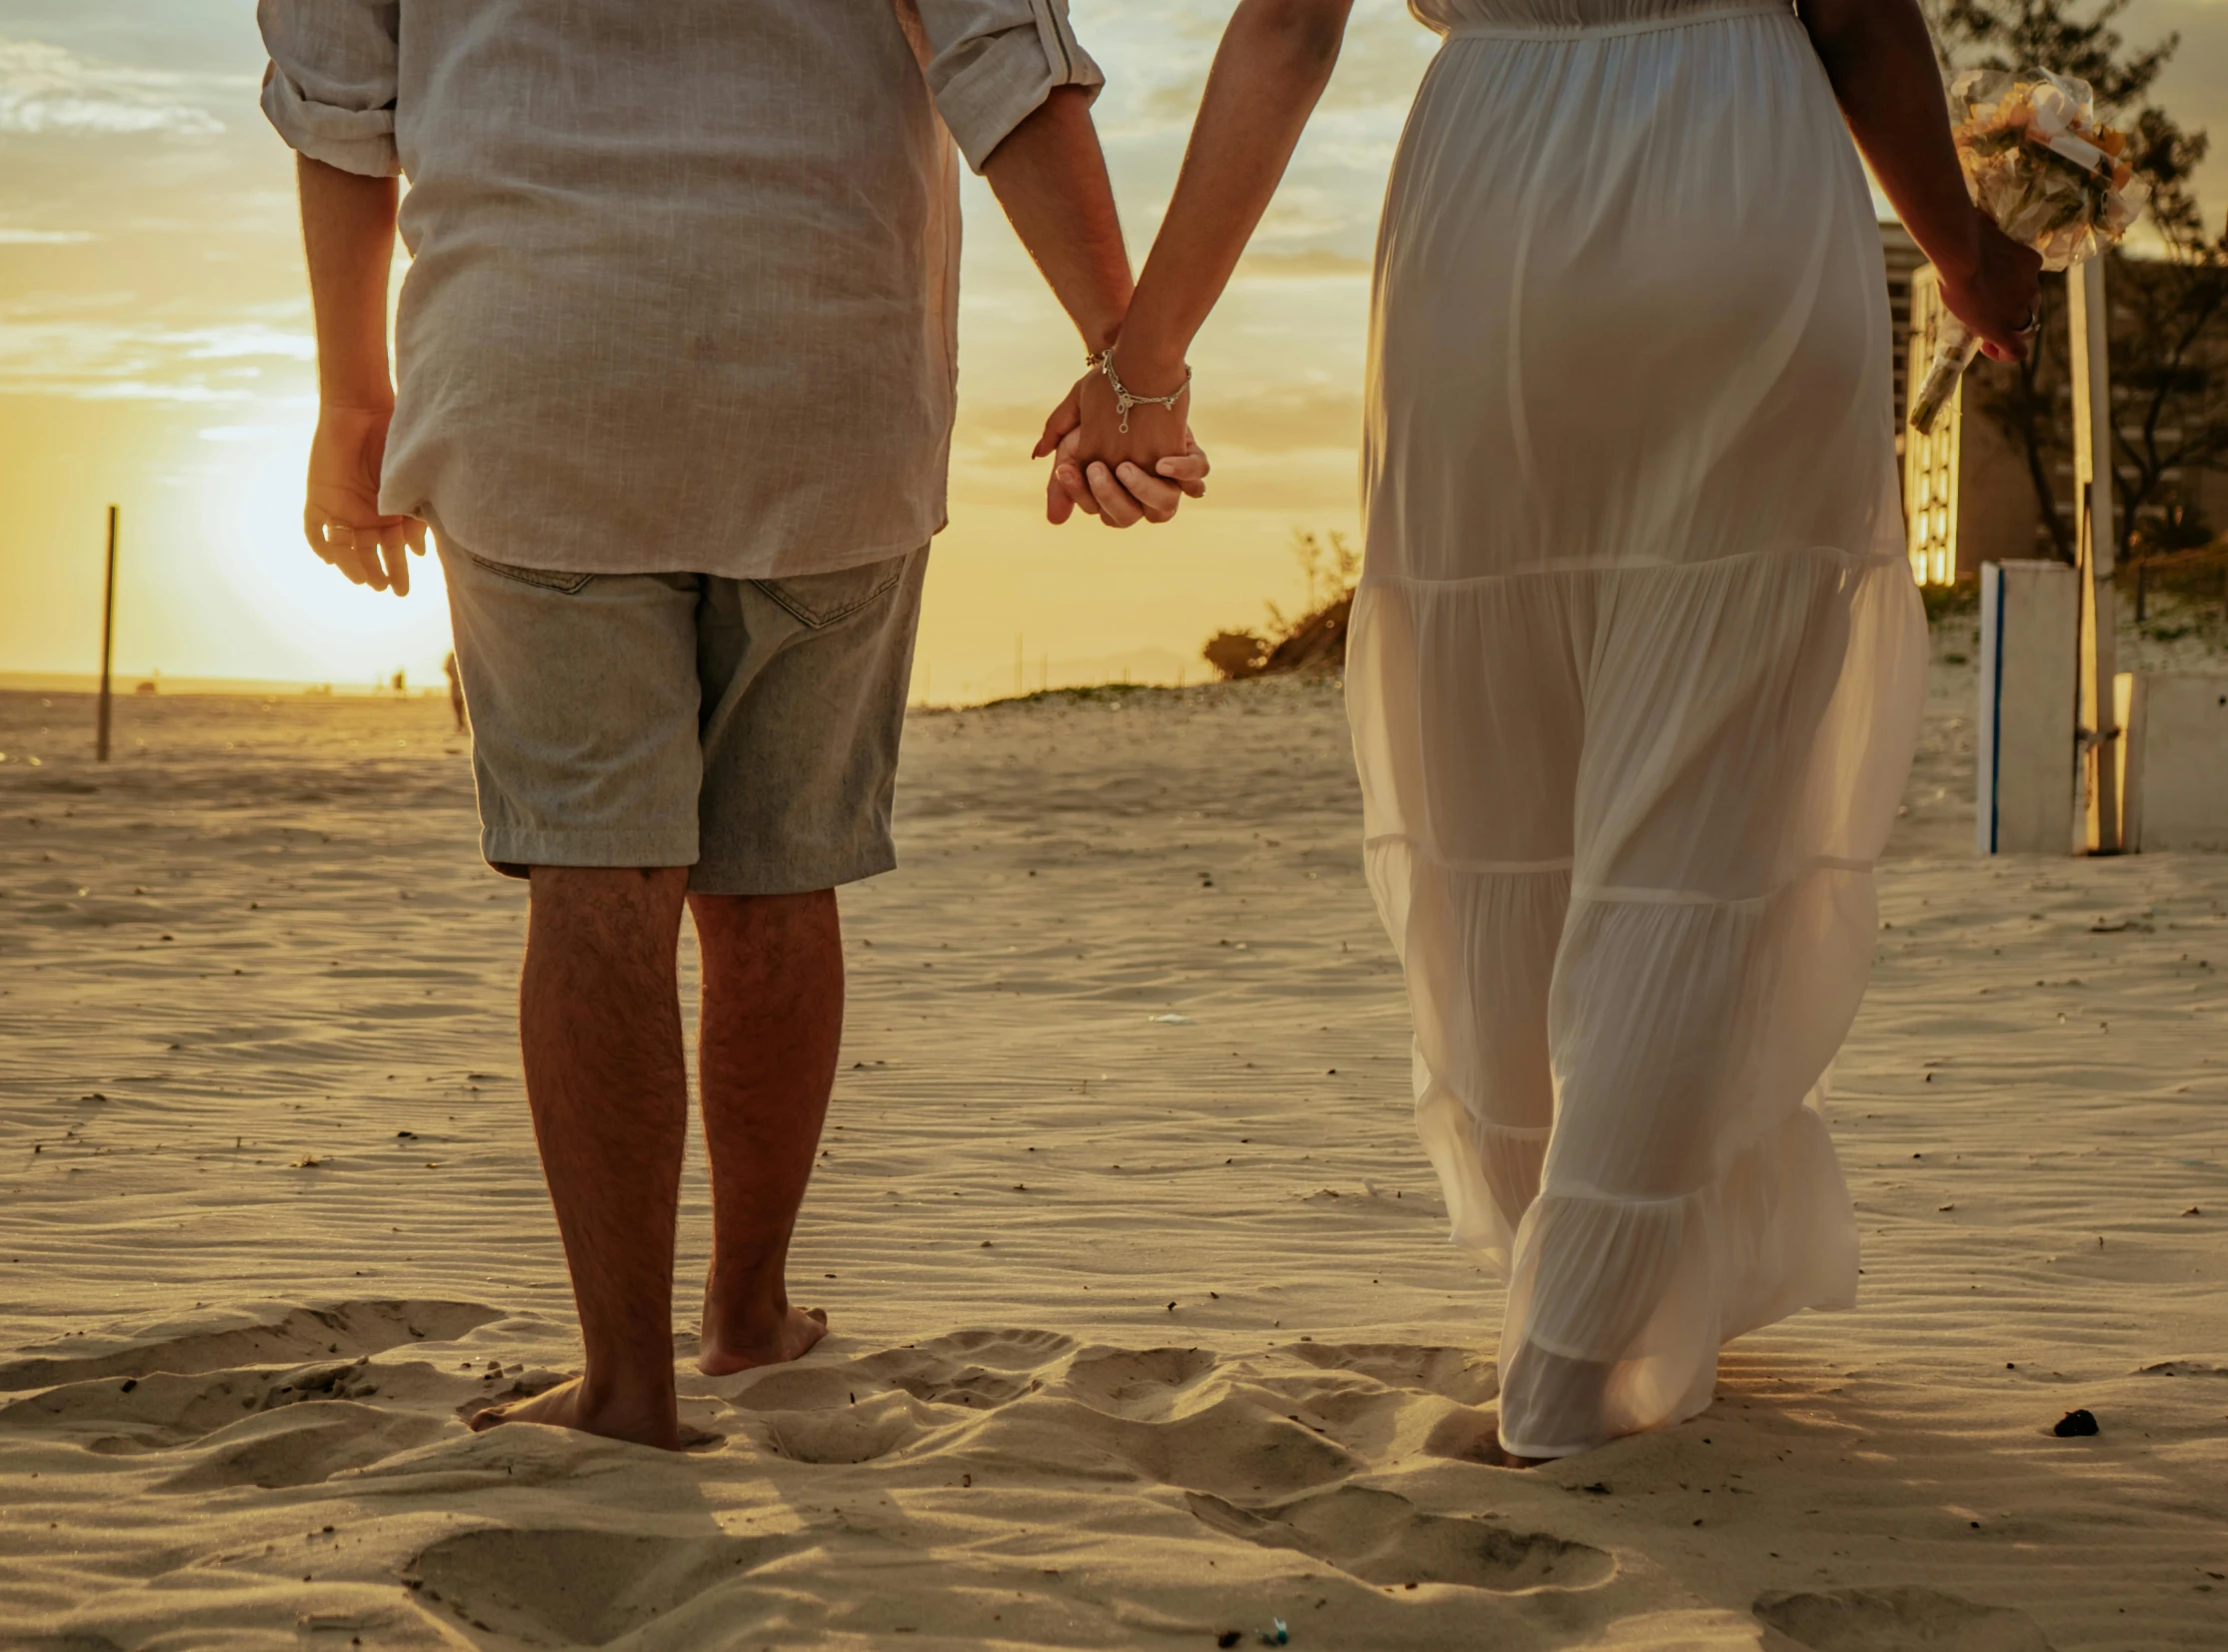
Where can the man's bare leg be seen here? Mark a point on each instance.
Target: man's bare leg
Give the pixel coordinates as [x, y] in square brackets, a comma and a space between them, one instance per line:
[773, 1020]
[600, 1025]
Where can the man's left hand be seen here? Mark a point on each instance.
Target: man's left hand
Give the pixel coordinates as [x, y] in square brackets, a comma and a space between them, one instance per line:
[341, 516]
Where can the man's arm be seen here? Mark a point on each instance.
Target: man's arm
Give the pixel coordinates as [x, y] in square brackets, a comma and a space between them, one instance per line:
[1050, 175]
[348, 234]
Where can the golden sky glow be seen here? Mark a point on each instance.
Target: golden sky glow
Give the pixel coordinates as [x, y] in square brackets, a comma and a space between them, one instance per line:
[155, 350]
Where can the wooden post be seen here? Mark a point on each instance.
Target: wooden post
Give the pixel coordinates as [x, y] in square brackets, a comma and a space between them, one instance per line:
[108, 635]
[2097, 719]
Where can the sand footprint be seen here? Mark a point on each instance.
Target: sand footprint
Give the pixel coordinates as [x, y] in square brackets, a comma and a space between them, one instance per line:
[1019, 1349]
[1459, 1374]
[875, 1428]
[575, 1587]
[971, 1370]
[1911, 1619]
[1360, 1416]
[1135, 1383]
[1380, 1537]
[1228, 1443]
[974, 1369]
[1177, 1416]
[118, 1416]
[303, 1445]
[798, 1388]
[348, 1329]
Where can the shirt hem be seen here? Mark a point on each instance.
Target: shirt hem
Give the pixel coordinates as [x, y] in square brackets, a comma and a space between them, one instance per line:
[748, 567]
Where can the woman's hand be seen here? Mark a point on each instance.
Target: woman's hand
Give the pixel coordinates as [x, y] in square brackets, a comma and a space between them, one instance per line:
[1997, 292]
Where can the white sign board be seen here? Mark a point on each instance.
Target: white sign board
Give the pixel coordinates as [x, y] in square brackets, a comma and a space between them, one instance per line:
[2174, 762]
[2030, 620]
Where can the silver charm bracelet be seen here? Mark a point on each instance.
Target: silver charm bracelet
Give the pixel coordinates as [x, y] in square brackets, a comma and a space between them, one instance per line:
[1124, 400]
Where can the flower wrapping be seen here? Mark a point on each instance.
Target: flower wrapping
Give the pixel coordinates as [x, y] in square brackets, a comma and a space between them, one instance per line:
[2049, 174]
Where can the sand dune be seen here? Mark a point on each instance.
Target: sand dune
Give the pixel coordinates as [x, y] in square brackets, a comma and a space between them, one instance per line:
[1145, 1331]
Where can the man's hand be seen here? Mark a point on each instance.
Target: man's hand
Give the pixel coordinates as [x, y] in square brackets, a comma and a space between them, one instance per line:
[1121, 479]
[341, 517]
[348, 233]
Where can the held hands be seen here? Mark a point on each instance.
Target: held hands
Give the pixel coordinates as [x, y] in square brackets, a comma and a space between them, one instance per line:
[1996, 294]
[341, 517]
[1119, 476]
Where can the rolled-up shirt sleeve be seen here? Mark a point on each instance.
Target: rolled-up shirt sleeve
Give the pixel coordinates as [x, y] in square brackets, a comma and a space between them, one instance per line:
[992, 62]
[330, 88]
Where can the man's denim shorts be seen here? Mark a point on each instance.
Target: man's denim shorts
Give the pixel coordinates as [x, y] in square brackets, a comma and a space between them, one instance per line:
[746, 729]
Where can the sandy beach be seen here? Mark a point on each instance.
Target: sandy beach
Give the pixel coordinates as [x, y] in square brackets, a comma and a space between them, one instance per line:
[1145, 1326]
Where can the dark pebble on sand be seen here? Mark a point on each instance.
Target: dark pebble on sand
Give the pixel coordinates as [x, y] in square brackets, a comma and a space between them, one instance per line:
[2075, 1423]
[1229, 1637]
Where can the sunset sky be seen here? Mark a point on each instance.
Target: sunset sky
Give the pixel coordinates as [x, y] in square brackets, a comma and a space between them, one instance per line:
[155, 351]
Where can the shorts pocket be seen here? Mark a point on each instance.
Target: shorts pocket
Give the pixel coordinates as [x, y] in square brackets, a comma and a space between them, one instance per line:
[542, 579]
[821, 599]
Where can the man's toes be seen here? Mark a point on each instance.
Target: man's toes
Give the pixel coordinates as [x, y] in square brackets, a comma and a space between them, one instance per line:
[820, 1314]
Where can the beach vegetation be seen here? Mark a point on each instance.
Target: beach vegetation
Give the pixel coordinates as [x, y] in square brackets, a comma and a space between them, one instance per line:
[1312, 643]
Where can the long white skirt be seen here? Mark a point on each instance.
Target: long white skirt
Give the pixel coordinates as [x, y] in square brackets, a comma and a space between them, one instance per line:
[1636, 673]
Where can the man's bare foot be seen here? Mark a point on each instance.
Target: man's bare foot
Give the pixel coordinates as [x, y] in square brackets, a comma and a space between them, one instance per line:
[722, 1353]
[564, 1406]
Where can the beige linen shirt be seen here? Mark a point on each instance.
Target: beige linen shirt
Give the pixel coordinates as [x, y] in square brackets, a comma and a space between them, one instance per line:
[684, 281]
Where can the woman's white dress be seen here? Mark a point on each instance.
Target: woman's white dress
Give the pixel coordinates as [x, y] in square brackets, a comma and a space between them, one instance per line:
[1635, 673]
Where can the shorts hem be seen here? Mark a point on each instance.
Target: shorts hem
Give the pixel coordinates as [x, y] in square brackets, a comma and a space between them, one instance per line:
[789, 876]
[510, 851]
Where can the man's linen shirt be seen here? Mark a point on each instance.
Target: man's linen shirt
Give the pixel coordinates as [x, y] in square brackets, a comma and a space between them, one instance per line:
[684, 282]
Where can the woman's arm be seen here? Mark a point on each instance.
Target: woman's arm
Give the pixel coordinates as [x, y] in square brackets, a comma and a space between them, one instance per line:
[1880, 59]
[1274, 62]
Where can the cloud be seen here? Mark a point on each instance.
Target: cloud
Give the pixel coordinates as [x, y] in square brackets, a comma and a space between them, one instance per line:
[46, 90]
[87, 349]
[43, 238]
[231, 342]
[1380, 63]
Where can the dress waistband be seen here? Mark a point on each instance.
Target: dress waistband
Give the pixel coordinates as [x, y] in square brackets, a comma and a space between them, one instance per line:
[1684, 18]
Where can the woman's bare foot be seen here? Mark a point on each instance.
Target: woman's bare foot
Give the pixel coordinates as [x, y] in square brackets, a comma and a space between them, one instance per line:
[1494, 1456]
[566, 1406]
[1487, 1448]
[724, 1351]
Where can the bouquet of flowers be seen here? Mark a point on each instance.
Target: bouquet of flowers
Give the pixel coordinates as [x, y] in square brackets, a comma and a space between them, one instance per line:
[2051, 177]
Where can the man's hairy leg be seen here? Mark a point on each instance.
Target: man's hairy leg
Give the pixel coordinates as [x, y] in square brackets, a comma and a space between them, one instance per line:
[600, 1025]
[773, 1020]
